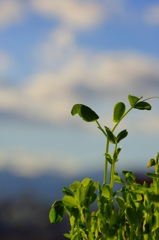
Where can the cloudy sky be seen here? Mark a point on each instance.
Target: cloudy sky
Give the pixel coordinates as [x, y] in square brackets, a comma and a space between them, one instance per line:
[54, 54]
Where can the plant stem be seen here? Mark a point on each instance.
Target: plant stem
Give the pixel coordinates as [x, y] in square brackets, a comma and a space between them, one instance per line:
[106, 163]
[107, 149]
[156, 163]
[112, 175]
[99, 126]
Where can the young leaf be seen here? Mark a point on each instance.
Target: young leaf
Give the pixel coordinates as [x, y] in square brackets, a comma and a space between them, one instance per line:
[106, 190]
[109, 158]
[66, 235]
[151, 163]
[69, 201]
[74, 186]
[120, 202]
[111, 136]
[86, 113]
[56, 212]
[143, 106]
[153, 175]
[86, 181]
[116, 154]
[133, 100]
[122, 135]
[119, 110]
[67, 191]
[118, 179]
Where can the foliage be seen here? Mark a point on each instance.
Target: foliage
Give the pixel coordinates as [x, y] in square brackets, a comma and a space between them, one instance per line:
[138, 205]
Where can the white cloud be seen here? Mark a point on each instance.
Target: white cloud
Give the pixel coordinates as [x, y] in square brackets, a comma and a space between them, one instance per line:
[73, 12]
[5, 62]
[48, 96]
[10, 11]
[64, 68]
[151, 15]
[80, 14]
[57, 48]
[31, 163]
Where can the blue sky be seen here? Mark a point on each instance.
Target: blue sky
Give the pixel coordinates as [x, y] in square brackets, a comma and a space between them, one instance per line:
[54, 54]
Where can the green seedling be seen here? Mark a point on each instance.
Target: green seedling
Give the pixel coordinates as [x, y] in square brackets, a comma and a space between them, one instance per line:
[137, 216]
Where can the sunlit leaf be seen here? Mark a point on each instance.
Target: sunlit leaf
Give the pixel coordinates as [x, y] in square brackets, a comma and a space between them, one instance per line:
[86, 181]
[56, 212]
[133, 100]
[153, 175]
[118, 179]
[86, 113]
[69, 201]
[119, 110]
[143, 106]
[66, 235]
[106, 190]
[74, 186]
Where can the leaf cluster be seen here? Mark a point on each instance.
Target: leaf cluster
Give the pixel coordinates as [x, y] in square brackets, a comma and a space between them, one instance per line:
[130, 213]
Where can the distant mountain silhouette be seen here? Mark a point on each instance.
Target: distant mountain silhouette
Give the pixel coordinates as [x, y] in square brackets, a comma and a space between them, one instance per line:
[47, 186]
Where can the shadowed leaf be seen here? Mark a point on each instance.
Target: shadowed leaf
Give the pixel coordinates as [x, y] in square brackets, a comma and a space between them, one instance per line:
[123, 134]
[86, 113]
[143, 106]
[56, 212]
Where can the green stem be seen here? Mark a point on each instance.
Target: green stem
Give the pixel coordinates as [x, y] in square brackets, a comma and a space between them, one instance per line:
[99, 126]
[107, 149]
[106, 163]
[112, 175]
[150, 98]
[156, 163]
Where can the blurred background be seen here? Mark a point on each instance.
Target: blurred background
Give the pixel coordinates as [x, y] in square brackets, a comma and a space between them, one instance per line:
[54, 54]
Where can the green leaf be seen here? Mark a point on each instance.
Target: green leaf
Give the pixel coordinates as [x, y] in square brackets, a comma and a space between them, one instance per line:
[67, 191]
[129, 176]
[118, 179]
[56, 212]
[66, 235]
[86, 181]
[86, 113]
[109, 158]
[122, 135]
[120, 202]
[75, 185]
[153, 175]
[139, 189]
[154, 198]
[116, 154]
[131, 214]
[143, 106]
[133, 100]
[69, 201]
[106, 190]
[111, 136]
[119, 110]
